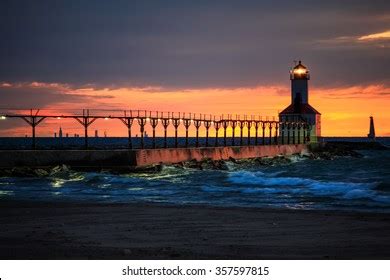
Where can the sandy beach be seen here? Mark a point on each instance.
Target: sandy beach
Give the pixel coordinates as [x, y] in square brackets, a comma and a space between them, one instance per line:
[36, 230]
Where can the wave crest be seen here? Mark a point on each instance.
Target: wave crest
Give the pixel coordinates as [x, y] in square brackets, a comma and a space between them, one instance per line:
[263, 184]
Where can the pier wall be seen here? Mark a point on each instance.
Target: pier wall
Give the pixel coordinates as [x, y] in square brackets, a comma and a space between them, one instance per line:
[81, 158]
[147, 157]
[142, 157]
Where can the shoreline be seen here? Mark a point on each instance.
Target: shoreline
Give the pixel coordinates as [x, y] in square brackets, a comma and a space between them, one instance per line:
[23, 203]
[46, 230]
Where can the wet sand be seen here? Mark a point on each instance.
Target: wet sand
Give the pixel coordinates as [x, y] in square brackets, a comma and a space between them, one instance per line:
[34, 230]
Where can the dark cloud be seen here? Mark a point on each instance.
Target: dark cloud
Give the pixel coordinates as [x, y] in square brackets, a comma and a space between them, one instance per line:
[40, 97]
[190, 43]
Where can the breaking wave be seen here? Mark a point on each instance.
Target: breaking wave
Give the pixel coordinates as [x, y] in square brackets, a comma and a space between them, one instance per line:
[361, 184]
[264, 184]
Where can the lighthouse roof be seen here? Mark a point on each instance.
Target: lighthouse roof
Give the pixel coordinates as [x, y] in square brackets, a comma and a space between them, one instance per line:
[300, 66]
[301, 109]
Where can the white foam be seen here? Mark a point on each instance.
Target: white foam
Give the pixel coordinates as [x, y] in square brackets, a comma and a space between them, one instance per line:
[295, 185]
[259, 178]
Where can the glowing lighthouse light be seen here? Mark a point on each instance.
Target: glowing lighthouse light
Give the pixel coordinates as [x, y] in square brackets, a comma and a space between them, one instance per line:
[300, 71]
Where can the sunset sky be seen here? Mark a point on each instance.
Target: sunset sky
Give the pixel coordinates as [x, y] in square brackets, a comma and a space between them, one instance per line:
[212, 57]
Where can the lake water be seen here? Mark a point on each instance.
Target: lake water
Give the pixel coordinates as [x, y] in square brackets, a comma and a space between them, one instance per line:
[359, 184]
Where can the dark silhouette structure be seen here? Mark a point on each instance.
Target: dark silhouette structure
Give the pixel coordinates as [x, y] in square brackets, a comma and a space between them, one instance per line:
[266, 128]
[371, 133]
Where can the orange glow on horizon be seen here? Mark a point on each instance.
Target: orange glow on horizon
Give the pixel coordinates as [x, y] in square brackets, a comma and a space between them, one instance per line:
[345, 110]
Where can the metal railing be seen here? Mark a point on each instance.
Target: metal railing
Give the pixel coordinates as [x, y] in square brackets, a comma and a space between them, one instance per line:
[267, 130]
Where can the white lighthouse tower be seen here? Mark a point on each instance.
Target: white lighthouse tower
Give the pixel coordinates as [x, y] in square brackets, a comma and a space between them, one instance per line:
[299, 77]
[299, 109]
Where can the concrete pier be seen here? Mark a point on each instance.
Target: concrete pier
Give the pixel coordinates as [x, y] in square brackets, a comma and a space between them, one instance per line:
[142, 157]
[77, 158]
[147, 157]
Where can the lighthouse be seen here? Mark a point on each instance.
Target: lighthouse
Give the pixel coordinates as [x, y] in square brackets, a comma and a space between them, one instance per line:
[371, 134]
[300, 110]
